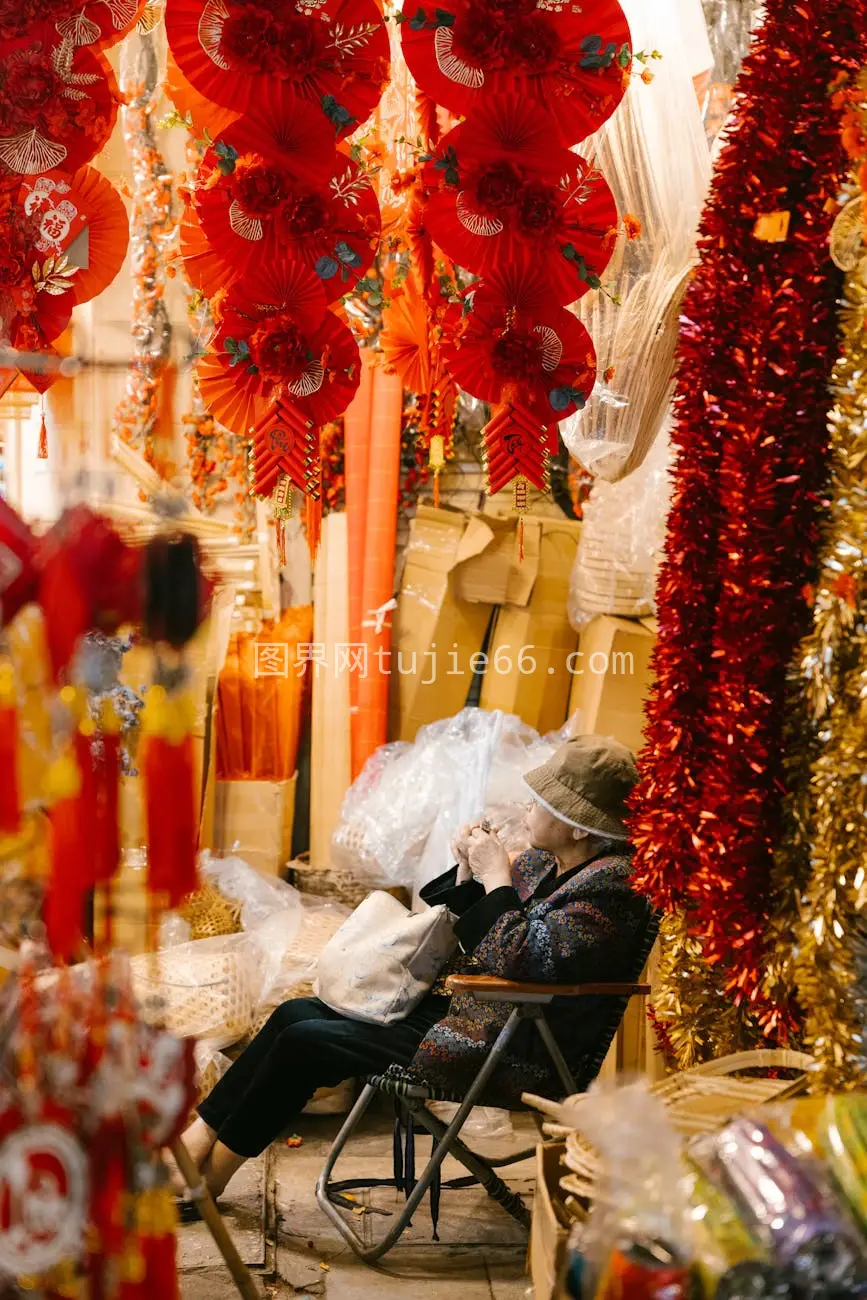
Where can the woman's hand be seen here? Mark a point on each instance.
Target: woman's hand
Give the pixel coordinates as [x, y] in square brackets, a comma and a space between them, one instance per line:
[489, 861]
[461, 854]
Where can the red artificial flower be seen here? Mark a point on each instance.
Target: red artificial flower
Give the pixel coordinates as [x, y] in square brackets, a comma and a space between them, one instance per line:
[256, 185]
[498, 186]
[539, 210]
[279, 350]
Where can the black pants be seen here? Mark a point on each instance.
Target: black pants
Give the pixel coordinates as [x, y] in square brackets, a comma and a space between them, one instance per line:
[303, 1047]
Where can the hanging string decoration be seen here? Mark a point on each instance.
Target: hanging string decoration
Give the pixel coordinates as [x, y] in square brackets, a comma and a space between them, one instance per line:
[757, 349]
[154, 231]
[820, 892]
[507, 200]
[87, 1205]
[282, 222]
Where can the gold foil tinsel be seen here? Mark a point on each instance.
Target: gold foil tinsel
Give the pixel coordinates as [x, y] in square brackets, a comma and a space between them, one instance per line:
[818, 938]
[696, 1018]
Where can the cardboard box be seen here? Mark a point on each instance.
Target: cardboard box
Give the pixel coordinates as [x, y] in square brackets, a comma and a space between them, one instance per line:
[612, 679]
[528, 665]
[253, 820]
[548, 1236]
[457, 567]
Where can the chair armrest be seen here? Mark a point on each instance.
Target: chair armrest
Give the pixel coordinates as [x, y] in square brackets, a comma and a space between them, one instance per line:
[488, 988]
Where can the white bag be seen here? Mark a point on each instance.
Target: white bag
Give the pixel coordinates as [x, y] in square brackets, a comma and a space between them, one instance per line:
[384, 959]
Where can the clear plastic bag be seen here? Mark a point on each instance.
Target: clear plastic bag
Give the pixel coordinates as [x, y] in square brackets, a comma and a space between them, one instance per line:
[400, 816]
[484, 1124]
[654, 154]
[621, 543]
[261, 896]
[642, 1198]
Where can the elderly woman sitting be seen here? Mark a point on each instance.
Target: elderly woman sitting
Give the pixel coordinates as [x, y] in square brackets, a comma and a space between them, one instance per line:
[563, 912]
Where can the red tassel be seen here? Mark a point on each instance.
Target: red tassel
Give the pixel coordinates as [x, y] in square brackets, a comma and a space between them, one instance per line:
[313, 521]
[70, 862]
[170, 809]
[10, 794]
[42, 452]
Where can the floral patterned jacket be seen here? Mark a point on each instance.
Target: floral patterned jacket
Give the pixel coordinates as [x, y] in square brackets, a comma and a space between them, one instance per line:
[586, 925]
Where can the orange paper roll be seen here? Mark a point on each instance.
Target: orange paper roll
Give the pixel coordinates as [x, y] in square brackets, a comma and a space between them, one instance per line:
[379, 550]
[356, 438]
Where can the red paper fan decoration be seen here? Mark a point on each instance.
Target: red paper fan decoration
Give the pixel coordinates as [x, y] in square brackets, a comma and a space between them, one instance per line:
[17, 17]
[237, 406]
[233, 51]
[58, 105]
[283, 128]
[100, 22]
[63, 207]
[499, 355]
[575, 61]
[259, 212]
[205, 117]
[206, 270]
[497, 208]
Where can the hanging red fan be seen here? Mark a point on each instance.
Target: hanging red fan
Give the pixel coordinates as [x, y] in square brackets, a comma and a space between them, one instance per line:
[58, 104]
[17, 17]
[282, 128]
[63, 207]
[205, 118]
[100, 22]
[494, 208]
[232, 51]
[545, 360]
[576, 60]
[206, 270]
[36, 297]
[254, 211]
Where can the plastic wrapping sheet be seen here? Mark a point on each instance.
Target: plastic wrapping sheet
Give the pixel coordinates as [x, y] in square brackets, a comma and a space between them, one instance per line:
[621, 541]
[654, 154]
[731, 25]
[400, 816]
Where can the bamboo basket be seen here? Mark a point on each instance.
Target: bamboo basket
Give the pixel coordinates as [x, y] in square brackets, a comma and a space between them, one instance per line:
[698, 1101]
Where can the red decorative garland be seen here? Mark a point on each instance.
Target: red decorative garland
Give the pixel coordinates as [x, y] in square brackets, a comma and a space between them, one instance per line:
[757, 349]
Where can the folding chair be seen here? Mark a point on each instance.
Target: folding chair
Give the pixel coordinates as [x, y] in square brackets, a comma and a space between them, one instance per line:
[528, 1003]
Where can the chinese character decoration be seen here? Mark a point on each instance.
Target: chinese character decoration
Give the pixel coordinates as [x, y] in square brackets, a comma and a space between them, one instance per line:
[508, 201]
[281, 223]
[91, 1095]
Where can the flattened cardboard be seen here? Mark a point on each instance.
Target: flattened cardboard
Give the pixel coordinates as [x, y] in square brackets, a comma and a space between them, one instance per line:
[612, 679]
[527, 672]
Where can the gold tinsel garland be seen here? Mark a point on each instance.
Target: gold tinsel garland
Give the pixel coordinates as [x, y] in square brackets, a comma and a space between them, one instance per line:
[694, 1018]
[817, 941]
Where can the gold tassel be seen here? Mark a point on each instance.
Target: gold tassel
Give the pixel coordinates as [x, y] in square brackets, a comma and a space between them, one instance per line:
[42, 453]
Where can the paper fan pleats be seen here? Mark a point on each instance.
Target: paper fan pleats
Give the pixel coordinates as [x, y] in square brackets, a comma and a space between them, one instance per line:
[288, 287]
[404, 338]
[58, 104]
[206, 270]
[205, 117]
[233, 51]
[573, 59]
[495, 210]
[100, 22]
[255, 212]
[283, 129]
[80, 212]
[545, 361]
[238, 406]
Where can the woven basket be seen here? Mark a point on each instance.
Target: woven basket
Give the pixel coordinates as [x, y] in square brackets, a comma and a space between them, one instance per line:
[198, 995]
[210, 915]
[697, 1101]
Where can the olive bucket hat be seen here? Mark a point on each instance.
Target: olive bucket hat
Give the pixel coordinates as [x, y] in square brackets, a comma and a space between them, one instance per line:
[586, 783]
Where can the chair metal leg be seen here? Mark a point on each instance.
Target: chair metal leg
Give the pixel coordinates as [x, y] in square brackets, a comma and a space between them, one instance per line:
[566, 1077]
[371, 1253]
[482, 1170]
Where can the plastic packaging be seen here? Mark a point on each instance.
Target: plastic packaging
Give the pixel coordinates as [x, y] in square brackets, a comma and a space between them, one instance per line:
[731, 24]
[621, 543]
[485, 1123]
[654, 153]
[400, 816]
[639, 1224]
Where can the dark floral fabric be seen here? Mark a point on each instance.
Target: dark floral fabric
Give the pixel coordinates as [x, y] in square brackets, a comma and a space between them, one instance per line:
[586, 925]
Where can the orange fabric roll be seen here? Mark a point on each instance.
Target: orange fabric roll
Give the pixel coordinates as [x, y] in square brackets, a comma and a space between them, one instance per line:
[379, 550]
[356, 443]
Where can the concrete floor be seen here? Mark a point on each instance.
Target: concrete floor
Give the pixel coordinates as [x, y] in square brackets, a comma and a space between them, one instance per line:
[293, 1250]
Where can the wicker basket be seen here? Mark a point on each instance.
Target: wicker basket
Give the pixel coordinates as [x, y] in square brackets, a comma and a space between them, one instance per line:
[209, 914]
[697, 1101]
[198, 995]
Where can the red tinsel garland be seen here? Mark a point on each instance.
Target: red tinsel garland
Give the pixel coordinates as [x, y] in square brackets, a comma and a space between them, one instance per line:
[757, 349]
